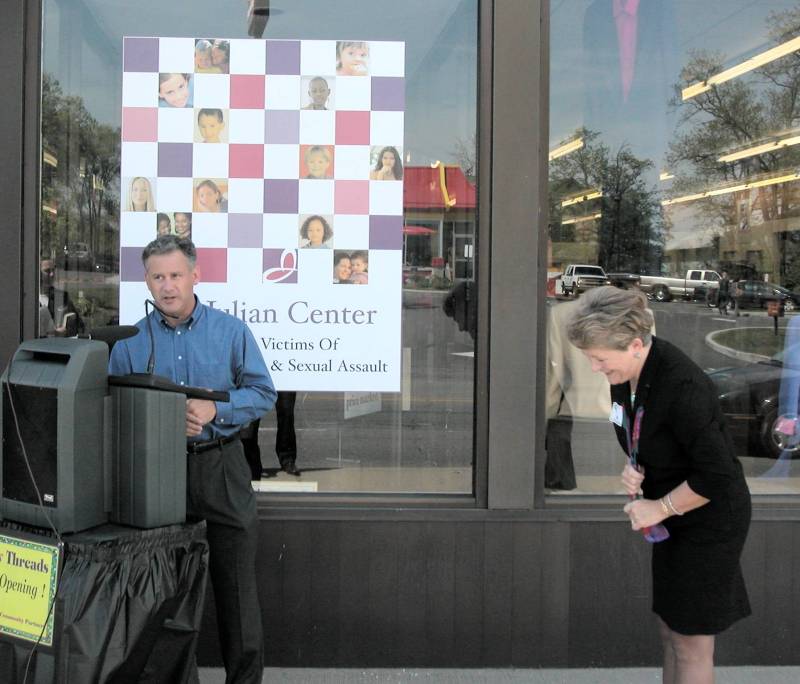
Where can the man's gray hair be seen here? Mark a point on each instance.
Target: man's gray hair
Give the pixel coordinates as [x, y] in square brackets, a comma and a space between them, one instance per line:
[166, 244]
[610, 318]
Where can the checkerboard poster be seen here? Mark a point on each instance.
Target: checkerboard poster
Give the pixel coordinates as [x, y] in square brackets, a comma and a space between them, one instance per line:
[282, 160]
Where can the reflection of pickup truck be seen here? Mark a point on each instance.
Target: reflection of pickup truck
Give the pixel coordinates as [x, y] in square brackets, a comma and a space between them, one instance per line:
[580, 277]
[696, 284]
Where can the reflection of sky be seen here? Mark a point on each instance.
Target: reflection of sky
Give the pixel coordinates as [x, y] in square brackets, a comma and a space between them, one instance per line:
[735, 29]
[441, 50]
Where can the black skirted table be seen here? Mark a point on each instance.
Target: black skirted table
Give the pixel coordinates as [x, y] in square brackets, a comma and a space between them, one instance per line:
[128, 608]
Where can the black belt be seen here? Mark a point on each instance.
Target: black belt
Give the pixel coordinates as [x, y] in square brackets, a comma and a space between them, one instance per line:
[200, 447]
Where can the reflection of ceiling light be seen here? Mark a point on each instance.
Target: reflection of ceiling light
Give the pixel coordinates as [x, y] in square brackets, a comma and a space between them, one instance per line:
[566, 148]
[582, 198]
[733, 188]
[748, 65]
[49, 158]
[665, 175]
[49, 209]
[761, 149]
[592, 217]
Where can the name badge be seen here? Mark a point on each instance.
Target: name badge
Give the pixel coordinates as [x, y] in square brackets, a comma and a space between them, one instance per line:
[616, 414]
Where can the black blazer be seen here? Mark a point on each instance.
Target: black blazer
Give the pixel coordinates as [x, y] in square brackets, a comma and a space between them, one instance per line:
[684, 436]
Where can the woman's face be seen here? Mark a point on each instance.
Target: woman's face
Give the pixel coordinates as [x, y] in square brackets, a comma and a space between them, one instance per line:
[354, 60]
[387, 160]
[164, 227]
[182, 225]
[343, 269]
[175, 91]
[315, 232]
[207, 198]
[619, 366]
[140, 194]
[318, 165]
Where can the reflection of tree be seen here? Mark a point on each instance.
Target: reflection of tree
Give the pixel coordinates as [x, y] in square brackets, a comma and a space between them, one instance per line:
[80, 174]
[465, 154]
[629, 232]
[734, 115]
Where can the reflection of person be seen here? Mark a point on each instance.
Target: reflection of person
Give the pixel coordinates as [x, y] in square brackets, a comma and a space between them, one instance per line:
[164, 225]
[219, 352]
[315, 233]
[318, 93]
[183, 224]
[209, 198]
[210, 122]
[342, 268]
[461, 304]
[351, 58]
[573, 394]
[723, 292]
[58, 316]
[359, 262]
[174, 90]
[318, 161]
[285, 439]
[220, 55]
[689, 475]
[389, 165]
[140, 195]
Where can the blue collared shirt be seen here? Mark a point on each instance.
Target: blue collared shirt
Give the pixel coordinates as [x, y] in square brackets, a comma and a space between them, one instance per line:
[210, 349]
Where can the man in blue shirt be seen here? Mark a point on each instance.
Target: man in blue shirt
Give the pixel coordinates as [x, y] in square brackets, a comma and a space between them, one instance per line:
[195, 345]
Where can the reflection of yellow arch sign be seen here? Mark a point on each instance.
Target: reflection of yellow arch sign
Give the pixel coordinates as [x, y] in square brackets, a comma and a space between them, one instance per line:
[28, 580]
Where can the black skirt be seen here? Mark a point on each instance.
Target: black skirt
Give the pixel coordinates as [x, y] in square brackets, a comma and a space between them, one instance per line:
[698, 586]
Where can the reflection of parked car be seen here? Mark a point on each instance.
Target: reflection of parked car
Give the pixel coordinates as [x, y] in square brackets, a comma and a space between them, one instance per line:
[756, 294]
[580, 277]
[749, 399]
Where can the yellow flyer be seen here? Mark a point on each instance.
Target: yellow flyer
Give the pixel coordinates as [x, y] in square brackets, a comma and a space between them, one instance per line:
[28, 580]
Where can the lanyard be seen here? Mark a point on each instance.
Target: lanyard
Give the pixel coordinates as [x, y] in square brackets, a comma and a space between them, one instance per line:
[633, 435]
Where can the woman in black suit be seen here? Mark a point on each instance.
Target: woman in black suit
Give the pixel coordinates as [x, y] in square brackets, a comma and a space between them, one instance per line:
[690, 479]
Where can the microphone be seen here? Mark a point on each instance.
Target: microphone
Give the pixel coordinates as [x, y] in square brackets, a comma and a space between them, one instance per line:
[110, 334]
[151, 361]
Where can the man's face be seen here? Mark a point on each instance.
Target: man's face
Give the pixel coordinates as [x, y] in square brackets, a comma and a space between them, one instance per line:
[171, 280]
[47, 272]
[318, 91]
[210, 127]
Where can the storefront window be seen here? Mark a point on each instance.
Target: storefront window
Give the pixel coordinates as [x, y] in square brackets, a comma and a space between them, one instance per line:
[416, 440]
[673, 160]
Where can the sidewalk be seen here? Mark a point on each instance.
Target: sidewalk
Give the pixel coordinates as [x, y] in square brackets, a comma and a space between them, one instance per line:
[724, 675]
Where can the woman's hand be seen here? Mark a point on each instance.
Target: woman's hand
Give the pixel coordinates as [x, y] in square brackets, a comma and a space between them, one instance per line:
[644, 513]
[632, 479]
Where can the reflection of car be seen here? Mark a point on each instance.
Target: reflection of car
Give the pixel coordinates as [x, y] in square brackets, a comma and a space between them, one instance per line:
[756, 294]
[77, 255]
[580, 277]
[749, 399]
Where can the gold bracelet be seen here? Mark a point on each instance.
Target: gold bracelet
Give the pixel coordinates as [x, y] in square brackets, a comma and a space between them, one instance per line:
[672, 505]
[664, 507]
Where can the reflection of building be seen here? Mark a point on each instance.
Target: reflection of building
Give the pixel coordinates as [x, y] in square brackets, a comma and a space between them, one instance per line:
[439, 207]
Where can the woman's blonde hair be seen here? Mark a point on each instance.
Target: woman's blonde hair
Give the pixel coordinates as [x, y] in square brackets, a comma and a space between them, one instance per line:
[610, 318]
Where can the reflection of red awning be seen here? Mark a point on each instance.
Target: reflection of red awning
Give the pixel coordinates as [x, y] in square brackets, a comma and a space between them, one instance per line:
[418, 230]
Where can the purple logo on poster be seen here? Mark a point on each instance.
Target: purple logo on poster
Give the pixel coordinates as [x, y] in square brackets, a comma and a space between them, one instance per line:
[280, 265]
